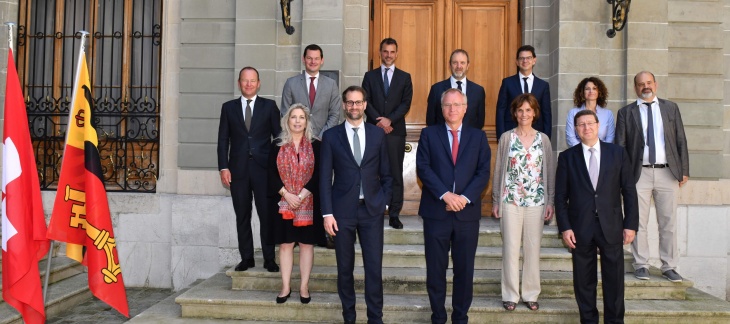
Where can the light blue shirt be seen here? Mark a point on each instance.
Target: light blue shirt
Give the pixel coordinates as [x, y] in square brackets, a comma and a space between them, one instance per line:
[606, 127]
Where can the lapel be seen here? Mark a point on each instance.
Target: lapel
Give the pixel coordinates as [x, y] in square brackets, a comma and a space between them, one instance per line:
[517, 83]
[603, 164]
[665, 117]
[303, 79]
[239, 114]
[445, 140]
[635, 115]
[378, 75]
[346, 143]
[464, 142]
[580, 161]
[370, 147]
[258, 108]
[470, 93]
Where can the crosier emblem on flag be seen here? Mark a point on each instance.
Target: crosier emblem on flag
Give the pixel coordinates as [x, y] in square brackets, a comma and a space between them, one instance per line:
[24, 225]
[81, 215]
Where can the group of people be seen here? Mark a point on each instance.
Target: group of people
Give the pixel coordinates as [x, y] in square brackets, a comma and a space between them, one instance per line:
[322, 175]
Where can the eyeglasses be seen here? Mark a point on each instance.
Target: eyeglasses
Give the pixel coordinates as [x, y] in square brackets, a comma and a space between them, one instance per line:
[524, 58]
[584, 125]
[455, 105]
[351, 103]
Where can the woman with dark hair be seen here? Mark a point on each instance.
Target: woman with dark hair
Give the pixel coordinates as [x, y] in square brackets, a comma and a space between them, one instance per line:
[522, 196]
[591, 94]
[295, 215]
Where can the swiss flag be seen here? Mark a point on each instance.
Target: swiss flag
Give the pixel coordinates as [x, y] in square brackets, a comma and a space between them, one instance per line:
[23, 223]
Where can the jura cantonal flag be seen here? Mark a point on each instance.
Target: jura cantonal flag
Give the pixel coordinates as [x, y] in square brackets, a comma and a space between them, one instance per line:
[81, 211]
[24, 225]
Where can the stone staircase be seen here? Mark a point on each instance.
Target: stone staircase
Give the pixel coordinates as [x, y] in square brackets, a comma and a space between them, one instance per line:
[67, 287]
[250, 295]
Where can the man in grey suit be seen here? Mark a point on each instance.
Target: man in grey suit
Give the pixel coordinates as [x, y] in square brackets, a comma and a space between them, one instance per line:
[652, 132]
[314, 90]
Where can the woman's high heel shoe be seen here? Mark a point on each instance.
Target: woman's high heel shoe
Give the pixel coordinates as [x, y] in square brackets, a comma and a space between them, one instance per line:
[281, 300]
[305, 300]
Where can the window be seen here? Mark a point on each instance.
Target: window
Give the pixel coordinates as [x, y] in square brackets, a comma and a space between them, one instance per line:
[123, 52]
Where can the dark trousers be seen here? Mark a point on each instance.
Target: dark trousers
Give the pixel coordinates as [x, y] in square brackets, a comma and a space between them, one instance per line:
[369, 230]
[461, 238]
[242, 189]
[585, 278]
[396, 153]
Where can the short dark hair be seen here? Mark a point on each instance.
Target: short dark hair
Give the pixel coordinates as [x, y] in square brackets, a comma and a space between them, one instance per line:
[643, 72]
[579, 97]
[388, 41]
[525, 48]
[582, 113]
[521, 100]
[354, 88]
[459, 50]
[313, 47]
[240, 73]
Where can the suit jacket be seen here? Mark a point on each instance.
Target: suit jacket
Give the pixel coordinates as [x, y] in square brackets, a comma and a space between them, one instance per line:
[236, 143]
[576, 202]
[438, 173]
[340, 197]
[475, 96]
[395, 105]
[327, 110]
[510, 89]
[630, 134]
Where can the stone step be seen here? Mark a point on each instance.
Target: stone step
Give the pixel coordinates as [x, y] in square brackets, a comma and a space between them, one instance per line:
[489, 233]
[213, 298]
[62, 296]
[398, 281]
[61, 268]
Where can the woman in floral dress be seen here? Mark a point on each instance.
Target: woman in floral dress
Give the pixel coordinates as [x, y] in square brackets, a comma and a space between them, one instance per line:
[522, 197]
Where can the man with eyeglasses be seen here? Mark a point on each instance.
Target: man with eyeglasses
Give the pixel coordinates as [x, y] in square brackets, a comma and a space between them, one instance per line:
[355, 155]
[524, 82]
[592, 180]
[452, 162]
[390, 92]
[652, 131]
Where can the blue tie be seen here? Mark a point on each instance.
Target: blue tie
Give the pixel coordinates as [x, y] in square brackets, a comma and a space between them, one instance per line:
[650, 133]
[386, 83]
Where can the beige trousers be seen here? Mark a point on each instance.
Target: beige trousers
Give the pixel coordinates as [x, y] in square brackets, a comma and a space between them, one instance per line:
[521, 225]
[664, 187]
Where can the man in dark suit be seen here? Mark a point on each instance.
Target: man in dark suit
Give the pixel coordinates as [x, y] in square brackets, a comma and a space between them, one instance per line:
[389, 94]
[356, 154]
[452, 162]
[314, 90]
[523, 82]
[244, 139]
[591, 180]
[459, 63]
[652, 132]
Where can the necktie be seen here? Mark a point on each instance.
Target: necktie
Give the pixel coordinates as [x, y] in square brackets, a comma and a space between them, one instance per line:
[356, 148]
[312, 92]
[356, 145]
[650, 133]
[524, 88]
[593, 168]
[386, 83]
[458, 86]
[247, 117]
[454, 145]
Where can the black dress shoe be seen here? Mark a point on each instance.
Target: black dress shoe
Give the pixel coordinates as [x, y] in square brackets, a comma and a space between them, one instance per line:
[305, 300]
[271, 266]
[350, 322]
[281, 300]
[394, 222]
[245, 265]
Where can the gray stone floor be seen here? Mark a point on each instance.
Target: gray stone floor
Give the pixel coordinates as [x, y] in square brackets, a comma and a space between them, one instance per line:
[95, 311]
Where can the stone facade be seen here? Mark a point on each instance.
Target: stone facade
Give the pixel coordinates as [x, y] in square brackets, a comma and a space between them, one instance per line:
[185, 232]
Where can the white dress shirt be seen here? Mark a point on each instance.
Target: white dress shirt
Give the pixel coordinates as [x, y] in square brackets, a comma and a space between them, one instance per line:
[530, 80]
[390, 73]
[456, 86]
[596, 153]
[661, 154]
[309, 80]
[243, 104]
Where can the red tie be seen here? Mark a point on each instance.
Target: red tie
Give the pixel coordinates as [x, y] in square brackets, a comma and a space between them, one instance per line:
[454, 145]
[312, 93]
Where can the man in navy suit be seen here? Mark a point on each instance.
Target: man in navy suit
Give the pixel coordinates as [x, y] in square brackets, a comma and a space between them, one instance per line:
[246, 127]
[459, 63]
[356, 154]
[452, 162]
[389, 94]
[591, 180]
[523, 82]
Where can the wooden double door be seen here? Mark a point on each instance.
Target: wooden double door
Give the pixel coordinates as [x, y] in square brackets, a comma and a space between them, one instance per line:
[428, 31]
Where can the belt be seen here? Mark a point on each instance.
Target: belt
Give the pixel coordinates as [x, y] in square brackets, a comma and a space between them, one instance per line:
[656, 166]
[361, 202]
